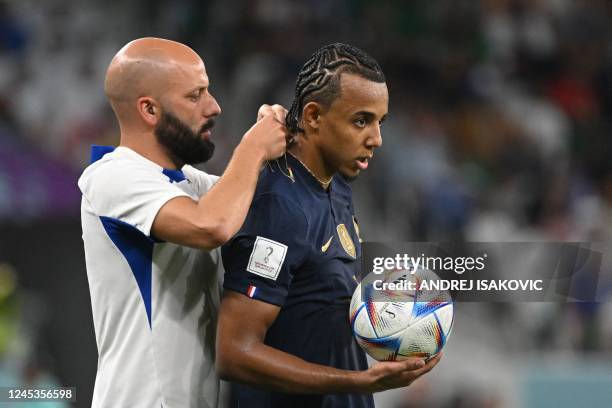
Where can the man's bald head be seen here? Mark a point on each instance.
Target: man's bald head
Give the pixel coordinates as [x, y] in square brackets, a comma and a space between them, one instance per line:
[146, 67]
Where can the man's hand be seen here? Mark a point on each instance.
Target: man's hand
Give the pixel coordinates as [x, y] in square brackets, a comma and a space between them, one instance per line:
[218, 214]
[268, 136]
[278, 111]
[395, 374]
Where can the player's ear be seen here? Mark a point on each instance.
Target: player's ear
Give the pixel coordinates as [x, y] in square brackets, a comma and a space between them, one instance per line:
[149, 110]
[311, 115]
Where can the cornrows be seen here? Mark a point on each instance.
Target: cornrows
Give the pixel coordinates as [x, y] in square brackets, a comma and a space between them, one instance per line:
[319, 78]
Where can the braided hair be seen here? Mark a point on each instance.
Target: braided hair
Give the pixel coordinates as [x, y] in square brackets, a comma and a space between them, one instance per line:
[319, 78]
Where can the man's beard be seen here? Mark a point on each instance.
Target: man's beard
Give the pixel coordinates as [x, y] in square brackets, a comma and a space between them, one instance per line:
[182, 144]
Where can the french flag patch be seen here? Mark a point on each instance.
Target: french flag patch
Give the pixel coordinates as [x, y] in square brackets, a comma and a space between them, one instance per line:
[251, 291]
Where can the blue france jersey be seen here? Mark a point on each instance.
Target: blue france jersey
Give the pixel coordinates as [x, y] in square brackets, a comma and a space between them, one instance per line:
[299, 248]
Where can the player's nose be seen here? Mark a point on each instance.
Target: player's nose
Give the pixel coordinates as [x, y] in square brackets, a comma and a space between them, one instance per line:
[375, 139]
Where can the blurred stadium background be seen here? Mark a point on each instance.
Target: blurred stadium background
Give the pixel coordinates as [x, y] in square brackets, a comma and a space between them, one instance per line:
[499, 130]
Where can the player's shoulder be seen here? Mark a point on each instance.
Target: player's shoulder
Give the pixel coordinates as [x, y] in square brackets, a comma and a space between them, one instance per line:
[277, 193]
[276, 181]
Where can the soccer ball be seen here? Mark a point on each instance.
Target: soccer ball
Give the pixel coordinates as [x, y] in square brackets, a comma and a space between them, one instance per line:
[392, 325]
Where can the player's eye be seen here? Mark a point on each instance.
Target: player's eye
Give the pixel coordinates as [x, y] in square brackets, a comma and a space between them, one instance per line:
[361, 122]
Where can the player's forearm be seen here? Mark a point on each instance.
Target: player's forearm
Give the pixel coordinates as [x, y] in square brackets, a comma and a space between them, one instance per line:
[227, 203]
[266, 367]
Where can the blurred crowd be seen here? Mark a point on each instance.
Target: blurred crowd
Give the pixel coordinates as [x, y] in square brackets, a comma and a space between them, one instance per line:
[499, 124]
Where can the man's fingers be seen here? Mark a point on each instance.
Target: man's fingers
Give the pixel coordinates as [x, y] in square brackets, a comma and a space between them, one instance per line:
[277, 111]
[264, 110]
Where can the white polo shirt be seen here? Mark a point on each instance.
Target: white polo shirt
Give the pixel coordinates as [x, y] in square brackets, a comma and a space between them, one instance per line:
[154, 303]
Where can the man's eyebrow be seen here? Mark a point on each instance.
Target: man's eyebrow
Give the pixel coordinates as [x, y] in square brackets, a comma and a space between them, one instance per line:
[197, 88]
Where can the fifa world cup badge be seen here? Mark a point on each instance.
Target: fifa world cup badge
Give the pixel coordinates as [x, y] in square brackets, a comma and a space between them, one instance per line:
[345, 240]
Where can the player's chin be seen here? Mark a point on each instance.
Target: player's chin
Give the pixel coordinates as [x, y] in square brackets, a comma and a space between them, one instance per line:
[350, 173]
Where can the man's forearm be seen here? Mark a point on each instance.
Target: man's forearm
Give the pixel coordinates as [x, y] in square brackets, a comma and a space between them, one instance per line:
[229, 200]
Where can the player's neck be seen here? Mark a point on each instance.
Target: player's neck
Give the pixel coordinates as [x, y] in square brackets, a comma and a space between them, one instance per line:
[312, 159]
[147, 146]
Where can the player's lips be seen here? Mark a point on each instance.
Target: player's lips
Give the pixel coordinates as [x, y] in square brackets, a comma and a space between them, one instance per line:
[362, 162]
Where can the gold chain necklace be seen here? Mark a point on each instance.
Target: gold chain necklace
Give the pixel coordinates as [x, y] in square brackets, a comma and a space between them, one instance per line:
[324, 184]
[289, 173]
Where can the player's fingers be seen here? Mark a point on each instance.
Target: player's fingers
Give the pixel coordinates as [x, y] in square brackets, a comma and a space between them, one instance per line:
[406, 378]
[413, 363]
[393, 368]
[429, 365]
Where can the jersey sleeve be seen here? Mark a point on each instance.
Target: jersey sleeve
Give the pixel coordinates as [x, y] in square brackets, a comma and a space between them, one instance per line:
[128, 192]
[262, 258]
[201, 180]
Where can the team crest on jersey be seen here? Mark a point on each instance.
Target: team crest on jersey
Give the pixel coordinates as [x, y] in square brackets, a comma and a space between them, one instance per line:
[345, 240]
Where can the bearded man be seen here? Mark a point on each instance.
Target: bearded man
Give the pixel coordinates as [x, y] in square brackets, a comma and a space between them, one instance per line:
[151, 223]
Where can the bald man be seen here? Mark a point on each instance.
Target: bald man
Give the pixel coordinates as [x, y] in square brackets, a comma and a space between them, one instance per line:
[151, 223]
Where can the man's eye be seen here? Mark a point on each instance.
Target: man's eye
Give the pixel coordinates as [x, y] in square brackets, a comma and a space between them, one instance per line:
[194, 97]
[360, 122]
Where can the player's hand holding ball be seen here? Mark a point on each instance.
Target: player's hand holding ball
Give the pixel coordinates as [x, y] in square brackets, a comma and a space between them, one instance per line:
[395, 374]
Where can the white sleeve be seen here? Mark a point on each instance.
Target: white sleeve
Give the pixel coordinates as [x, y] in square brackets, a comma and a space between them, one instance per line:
[128, 191]
[202, 180]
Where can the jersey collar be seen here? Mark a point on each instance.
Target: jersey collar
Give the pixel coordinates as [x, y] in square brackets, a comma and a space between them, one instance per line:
[98, 151]
[312, 183]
